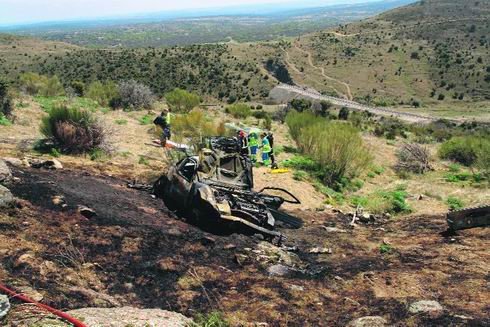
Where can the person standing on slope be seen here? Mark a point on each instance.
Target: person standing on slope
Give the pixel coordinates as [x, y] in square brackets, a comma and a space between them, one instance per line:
[270, 137]
[253, 144]
[163, 121]
[266, 150]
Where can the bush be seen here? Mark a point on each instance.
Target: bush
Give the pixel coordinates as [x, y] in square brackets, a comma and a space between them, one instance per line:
[35, 84]
[337, 147]
[454, 203]
[134, 96]
[103, 93]
[4, 120]
[465, 149]
[267, 124]
[72, 130]
[182, 101]
[239, 110]
[6, 106]
[483, 159]
[300, 105]
[384, 201]
[344, 113]
[213, 319]
[413, 158]
[52, 87]
[297, 121]
[194, 126]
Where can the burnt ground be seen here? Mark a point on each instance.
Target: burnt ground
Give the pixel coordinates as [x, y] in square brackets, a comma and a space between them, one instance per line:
[135, 252]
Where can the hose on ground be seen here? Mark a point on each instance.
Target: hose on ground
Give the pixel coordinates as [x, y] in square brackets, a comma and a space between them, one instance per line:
[54, 311]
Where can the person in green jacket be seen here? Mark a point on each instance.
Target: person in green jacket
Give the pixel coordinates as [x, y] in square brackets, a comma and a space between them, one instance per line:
[266, 150]
[253, 143]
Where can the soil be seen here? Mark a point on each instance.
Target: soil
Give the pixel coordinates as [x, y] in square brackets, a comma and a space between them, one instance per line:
[135, 252]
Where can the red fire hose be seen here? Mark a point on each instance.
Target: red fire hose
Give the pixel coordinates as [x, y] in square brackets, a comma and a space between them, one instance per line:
[58, 313]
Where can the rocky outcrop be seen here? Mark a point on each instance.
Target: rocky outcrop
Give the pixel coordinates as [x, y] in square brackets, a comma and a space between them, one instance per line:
[6, 197]
[430, 307]
[128, 316]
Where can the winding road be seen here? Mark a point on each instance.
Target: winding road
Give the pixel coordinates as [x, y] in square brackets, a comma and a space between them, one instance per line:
[284, 91]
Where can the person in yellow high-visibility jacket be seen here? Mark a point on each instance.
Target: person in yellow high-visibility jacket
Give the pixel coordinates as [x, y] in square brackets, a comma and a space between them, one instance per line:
[266, 150]
[253, 144]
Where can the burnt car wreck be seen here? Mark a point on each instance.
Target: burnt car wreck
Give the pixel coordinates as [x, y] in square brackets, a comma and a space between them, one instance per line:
[214, 190]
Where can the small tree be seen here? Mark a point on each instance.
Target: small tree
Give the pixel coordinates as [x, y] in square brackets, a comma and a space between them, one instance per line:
[182, 101]
[344, 113]
[324, 107]
[300, 105]
[135, 96]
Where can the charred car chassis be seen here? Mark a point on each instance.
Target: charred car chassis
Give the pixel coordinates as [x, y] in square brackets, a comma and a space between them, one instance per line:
[214, 190]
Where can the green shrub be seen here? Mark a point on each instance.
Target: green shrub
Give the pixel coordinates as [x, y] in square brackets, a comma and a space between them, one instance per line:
[239, 110]
[213, 319]
[380, 202]
[454, 203]
[35, 84]
[55, 153]
[194, 126]
[267, 124]
[465, 149]
[260, 114]
[121, 121]
[72, 130]
[300, 175]
[146, 119]
[385, 248]
[300, 105]
[336, 147]
[182, 101]
[143, 161]
[103, 93]
[97, 154]
[301, 163]
[297, 121]
[4, 120]
[483, 159]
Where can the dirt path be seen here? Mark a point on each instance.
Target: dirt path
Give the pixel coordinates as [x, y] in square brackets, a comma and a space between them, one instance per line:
[348, 95]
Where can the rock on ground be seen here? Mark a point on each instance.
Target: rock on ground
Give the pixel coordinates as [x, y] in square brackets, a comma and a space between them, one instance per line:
[278, 270]
[6, 197]
[5, 173]
[426, 306]
[14, 162]
[4, 305]
[128, 316]
[368, 321]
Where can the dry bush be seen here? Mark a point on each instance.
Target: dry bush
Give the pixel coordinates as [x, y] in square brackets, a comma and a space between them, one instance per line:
[413, 158]
[135, 96]
[73, 130]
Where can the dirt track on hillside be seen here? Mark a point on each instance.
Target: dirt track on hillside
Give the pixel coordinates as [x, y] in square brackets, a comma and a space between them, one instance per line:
[139, 254]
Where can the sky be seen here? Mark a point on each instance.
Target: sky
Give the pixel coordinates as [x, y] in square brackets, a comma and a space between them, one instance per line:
[30, 11]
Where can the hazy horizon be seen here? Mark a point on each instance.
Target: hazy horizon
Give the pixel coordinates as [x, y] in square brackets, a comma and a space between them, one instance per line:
[20, 12]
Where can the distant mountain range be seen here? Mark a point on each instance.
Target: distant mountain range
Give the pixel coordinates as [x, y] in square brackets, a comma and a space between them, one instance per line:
[242, 23]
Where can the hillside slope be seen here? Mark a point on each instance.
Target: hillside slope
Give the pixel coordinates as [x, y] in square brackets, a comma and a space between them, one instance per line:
[430, 51]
